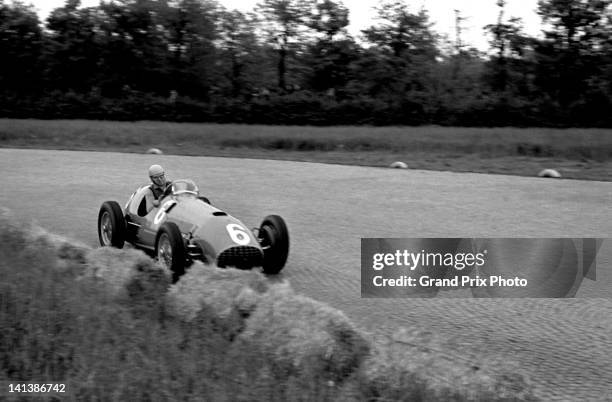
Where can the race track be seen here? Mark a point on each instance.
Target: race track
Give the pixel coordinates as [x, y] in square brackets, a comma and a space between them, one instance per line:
[564, 345]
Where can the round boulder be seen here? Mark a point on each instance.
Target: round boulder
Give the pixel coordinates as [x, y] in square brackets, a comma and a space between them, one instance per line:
[398, 165]
[550, 173]
[154, 151]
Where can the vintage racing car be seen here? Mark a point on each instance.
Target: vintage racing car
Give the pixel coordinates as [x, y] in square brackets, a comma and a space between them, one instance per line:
[186, 227]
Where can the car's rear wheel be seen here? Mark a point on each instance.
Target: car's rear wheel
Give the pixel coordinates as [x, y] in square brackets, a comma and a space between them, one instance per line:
[111, 225]
[274, 239]
[170, 249]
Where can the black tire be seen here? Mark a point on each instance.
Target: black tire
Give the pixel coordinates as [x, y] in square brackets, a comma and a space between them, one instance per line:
[111, 225]
[170, 249]
[274, 239]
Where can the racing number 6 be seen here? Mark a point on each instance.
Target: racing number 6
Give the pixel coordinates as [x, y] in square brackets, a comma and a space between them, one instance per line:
[159, 216]
[238, 234]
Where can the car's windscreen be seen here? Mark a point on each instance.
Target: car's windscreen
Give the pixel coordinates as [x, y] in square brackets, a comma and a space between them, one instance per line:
[186, 187]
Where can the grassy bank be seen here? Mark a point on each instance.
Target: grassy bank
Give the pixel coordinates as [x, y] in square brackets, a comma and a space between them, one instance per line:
[577, 153]
[108, 324]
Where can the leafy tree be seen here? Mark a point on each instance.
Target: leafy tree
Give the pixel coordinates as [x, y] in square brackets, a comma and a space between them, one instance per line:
[20, 46]
[373, 74]
[192, 32]
[285, 22]
[570, 54]
[604, 81]
[330, 64]
[510, 46]
[135, 48]
[460, 89]
[403, 33]
[405, 50]
[73, 51]
[329, 58]
[239, 50]
[329, 17]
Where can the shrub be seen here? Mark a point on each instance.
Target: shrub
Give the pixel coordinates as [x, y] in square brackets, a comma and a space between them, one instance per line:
[130, 276]
[411, 366]
[305, 108]
[218, 299]
[301, 335]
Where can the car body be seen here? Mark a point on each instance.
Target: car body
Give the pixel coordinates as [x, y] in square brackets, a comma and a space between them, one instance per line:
[186, 227]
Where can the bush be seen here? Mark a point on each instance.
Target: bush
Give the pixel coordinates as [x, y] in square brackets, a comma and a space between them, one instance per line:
[300, 335]
[130, 277]
[305, 108]
[222, 299]
[404, 367]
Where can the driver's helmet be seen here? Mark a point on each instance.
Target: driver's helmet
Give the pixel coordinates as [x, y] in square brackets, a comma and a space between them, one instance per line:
[157, 175]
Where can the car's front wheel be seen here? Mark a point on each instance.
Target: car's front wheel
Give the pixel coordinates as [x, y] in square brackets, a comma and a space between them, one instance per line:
[170, 249]
[274, 239]
[111, 225]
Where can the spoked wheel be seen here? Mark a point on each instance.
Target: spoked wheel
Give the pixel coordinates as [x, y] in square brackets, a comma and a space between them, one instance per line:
[106, 228]
[111, 225]
[170, 249]
[274, 239]
[164, 250]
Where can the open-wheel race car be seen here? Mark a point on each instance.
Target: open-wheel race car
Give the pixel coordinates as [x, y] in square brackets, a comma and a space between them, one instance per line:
[186, 227]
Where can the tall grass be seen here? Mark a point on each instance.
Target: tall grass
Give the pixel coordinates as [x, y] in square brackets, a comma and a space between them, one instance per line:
[191, 138]
[577, 153]
[109, 325]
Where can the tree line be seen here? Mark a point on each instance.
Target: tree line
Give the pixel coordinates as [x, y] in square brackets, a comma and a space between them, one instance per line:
[293, 62]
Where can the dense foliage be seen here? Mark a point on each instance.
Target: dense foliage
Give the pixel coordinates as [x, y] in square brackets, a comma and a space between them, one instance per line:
[293, 62]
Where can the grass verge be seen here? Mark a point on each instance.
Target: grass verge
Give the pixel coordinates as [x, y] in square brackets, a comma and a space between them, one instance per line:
[109, 325]
[577, 153]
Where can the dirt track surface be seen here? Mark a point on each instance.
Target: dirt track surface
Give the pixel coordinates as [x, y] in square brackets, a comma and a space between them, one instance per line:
[565, 346]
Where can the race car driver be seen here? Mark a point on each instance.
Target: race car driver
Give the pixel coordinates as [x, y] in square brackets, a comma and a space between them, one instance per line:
[158, 186]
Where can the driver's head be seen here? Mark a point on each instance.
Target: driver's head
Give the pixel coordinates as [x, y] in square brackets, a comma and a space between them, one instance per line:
[157, 175]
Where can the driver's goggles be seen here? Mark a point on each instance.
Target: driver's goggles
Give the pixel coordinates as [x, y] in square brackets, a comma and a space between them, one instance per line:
[160, 176]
